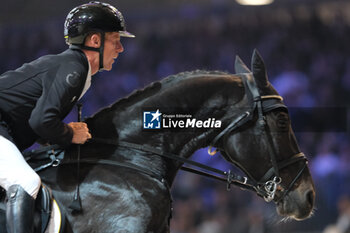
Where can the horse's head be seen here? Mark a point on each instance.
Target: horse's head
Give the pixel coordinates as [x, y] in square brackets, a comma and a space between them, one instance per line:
[271, 159]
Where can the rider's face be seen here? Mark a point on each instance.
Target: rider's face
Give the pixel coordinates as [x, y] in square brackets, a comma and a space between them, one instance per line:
[112, 48]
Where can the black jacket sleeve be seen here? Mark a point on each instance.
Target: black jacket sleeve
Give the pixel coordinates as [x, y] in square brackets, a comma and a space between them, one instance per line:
[58, 97]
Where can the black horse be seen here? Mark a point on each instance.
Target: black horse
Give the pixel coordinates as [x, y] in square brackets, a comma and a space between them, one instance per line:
[127, 170]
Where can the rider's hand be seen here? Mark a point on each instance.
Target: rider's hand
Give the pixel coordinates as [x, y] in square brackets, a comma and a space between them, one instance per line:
[80, 132]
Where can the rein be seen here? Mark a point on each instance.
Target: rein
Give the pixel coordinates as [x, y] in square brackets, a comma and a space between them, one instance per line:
[55, 154]
[228, 176]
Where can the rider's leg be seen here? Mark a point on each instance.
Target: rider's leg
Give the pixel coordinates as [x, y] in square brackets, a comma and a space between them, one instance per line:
[22, 185]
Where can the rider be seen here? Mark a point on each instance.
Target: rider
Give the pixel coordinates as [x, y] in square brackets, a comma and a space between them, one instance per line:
[37, 96]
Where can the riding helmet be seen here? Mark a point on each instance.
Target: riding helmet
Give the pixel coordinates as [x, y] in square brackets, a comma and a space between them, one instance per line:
[93, 17]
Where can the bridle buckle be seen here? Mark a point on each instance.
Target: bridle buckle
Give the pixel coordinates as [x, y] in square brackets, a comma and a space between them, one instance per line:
[270, 188]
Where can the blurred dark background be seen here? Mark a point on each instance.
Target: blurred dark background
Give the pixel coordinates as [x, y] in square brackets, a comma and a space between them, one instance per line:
[305, 46]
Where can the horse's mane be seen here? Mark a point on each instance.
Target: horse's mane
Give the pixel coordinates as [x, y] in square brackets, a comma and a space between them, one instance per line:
[154, 87]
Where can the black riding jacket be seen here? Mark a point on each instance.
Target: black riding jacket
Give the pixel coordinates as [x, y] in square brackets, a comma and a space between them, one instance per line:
[35, 98]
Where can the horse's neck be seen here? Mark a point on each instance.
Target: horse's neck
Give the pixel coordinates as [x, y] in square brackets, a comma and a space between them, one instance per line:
[205, 98]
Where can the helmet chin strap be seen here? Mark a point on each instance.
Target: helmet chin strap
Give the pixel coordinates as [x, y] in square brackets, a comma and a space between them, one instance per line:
[101, 49]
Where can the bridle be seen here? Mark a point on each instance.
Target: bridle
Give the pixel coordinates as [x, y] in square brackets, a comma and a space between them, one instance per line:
[271, 180]
[266, 187]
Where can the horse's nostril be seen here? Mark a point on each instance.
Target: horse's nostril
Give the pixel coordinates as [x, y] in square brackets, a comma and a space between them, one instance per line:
[310, 197]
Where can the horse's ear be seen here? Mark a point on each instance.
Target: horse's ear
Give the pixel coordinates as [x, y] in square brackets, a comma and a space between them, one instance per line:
[240, 67]
[258, 69]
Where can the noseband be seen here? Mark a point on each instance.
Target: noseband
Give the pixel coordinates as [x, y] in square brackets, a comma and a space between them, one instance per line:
[271, 180]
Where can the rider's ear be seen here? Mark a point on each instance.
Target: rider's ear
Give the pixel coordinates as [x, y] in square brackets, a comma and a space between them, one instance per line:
[240, 67]
[93, 40]
[258, 69]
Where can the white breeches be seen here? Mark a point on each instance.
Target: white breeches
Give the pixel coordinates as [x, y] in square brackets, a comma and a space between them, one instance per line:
[15, 170]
